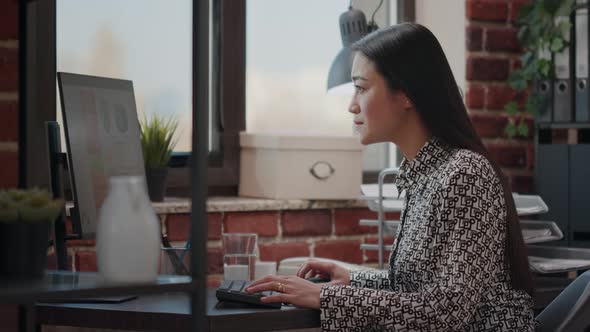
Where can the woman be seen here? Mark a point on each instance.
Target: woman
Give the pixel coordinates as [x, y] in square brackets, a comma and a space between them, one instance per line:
[459, 262]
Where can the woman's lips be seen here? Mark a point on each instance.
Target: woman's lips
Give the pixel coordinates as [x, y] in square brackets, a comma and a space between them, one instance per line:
[357, 123]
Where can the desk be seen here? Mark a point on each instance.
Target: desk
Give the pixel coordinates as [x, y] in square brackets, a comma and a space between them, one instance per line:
[170, 312]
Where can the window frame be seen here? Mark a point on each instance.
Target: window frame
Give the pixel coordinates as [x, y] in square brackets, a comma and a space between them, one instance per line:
[38, 100]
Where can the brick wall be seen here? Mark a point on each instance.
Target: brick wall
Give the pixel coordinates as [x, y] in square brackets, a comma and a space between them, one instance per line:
[8, 120]
[8, 93]
[493, 52]
[330, 233]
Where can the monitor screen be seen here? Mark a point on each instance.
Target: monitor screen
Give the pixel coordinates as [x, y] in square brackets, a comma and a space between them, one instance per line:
[102, 136]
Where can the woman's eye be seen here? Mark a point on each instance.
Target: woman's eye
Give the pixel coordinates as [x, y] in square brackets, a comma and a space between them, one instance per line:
[359, 88]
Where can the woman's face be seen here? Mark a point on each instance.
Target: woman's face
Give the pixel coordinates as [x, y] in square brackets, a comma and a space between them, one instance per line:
[379, 113]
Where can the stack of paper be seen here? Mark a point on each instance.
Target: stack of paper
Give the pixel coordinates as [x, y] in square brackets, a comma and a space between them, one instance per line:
[549, 265]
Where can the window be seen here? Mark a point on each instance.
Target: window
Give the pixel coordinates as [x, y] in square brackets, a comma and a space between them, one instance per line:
[146, 41]
[290, 46]
[150, 43]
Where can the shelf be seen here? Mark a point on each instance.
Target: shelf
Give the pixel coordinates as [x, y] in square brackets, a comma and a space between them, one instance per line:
[536, 231]
[369, 246]
[63, 285]
[565, 125]
[391, 225]
[546, 259]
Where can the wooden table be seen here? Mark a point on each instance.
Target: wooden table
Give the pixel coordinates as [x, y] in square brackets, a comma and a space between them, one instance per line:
[171, 312]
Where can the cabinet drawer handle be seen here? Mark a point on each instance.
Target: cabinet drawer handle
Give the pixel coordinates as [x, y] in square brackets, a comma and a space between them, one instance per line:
[322, 170]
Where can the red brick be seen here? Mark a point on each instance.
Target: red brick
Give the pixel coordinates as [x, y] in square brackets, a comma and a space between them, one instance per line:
[523, 184]
[9, 69]
[264, 223]
[9, 20]
[214, 281]
[347, 221]
[475, 96]
[474, 38]
[497, 96]
[487, 69]
[178, 226]
[343, 250]
[81, 243]
[279, 251]
[502, 39]
[307, 222]
[508, 155]
[9, 123]
[489, 126]
[515, 7]
[487, 10]
[372, 256]
[8, 169]
[515, 64]
[214, 260]
[86, 261]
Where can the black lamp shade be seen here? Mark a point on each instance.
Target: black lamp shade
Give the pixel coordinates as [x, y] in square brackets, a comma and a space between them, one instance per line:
[353, 26]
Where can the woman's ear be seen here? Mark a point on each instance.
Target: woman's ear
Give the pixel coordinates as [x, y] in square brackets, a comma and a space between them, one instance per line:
[407, 102]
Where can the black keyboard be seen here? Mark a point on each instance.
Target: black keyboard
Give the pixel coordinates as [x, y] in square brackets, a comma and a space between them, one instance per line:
[234, 291]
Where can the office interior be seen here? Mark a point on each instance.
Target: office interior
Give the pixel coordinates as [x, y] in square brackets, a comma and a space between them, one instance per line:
[239, 74]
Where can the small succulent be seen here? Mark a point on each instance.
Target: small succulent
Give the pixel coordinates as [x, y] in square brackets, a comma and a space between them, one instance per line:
[30, 205]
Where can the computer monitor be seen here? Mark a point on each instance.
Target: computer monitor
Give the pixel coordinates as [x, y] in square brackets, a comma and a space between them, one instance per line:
[102, 138]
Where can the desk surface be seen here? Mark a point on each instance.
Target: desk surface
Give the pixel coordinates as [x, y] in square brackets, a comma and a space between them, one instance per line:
[171, 312]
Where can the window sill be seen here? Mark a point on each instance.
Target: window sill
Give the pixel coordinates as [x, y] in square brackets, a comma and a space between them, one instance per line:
[237, 204]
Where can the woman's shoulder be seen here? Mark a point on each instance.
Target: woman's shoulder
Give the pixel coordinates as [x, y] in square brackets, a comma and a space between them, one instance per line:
[466, 167]
[465, 161]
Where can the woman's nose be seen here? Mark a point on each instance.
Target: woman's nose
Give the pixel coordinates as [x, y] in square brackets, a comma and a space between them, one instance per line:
[353, 107]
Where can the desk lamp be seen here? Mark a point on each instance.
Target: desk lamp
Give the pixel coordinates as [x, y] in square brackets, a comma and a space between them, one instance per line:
[353, 26]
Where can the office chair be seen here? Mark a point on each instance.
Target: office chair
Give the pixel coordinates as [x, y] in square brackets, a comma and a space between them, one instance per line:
[570, 310]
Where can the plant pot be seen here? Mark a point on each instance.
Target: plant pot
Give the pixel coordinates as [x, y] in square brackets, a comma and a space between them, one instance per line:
[23, 250]
[156, 182]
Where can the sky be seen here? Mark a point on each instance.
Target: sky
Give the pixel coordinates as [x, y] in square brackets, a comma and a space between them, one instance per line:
[290, 46]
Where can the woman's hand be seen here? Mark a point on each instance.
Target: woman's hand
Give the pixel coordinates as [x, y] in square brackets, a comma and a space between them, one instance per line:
[326, 270]
[291, 289]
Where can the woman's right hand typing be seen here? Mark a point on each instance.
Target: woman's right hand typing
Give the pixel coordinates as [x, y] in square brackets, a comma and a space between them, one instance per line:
[325, 270]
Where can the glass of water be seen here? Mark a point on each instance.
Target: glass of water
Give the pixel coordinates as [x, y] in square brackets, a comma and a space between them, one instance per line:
[239, 255]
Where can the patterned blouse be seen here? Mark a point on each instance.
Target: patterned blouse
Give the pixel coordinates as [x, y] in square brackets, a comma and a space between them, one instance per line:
[447, 270]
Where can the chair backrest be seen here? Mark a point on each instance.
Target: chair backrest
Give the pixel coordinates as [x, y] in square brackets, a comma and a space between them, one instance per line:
[570, 310]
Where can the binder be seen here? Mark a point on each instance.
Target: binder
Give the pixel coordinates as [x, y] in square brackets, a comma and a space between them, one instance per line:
[562, 87]
[582, 106]
[545, 90]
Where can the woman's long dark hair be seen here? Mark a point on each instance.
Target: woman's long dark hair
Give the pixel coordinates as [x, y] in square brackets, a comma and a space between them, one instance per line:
[411, 60]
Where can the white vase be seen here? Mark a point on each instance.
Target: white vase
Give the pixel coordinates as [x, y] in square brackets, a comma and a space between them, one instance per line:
[128, 233]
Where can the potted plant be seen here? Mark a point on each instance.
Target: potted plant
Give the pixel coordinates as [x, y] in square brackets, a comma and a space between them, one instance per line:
[26, 217]
[157, 143]
[540, 34]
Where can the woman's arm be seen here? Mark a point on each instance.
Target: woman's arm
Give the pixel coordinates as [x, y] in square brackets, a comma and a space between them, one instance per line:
[469, 261]
[373, 279]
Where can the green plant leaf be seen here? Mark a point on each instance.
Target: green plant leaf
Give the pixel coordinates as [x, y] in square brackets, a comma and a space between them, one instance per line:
[544, 68]
[510, 130]
[524, 12]
[526, 58]
[532, 105]
[523, 129]
[557, 44]
[565, 8]
[511, 108]
[157, 139]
